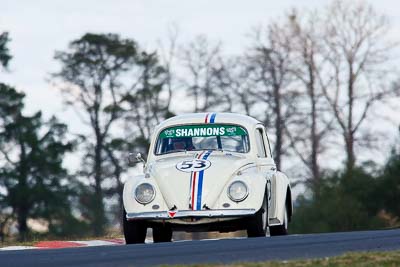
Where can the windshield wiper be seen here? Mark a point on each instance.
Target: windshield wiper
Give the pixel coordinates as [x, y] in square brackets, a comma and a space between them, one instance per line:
[215, 149]
[176, 150]
[205, 149]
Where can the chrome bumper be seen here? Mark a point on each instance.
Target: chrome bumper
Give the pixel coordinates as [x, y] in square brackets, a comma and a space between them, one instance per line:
[191, 214]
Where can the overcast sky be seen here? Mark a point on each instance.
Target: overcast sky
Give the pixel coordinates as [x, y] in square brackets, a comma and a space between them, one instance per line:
[38, 28]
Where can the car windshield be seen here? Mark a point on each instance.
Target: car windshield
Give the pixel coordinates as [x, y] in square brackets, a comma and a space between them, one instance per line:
[222, 137]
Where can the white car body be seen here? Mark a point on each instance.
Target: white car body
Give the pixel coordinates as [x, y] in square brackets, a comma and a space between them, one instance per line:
[193, 199]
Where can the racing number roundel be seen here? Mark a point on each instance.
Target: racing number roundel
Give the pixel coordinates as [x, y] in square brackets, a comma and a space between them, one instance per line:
[194, 165]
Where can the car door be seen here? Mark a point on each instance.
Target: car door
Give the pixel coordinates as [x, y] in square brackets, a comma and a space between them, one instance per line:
[265, 162]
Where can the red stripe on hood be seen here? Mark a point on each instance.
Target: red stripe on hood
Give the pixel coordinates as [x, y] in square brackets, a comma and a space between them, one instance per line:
[193, 188]
[206, 118]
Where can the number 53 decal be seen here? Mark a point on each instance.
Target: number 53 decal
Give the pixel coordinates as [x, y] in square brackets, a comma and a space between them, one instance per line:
[194, 165]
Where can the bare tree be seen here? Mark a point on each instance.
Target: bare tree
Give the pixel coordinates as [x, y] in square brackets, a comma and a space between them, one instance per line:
[270, 61]
[311, 123]
[355, 46]
[201, 60]
[168, 58]
[237, 88]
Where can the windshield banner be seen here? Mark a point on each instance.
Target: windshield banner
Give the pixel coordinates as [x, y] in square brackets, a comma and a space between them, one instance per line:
[202, 131]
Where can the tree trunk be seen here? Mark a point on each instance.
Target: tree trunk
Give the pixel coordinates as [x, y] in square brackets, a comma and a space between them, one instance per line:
[278, 128]
[98, 206]
[120, 186]
[350, 161]
[313, 134]
[22, 218]
[349, 136]
[22, 204]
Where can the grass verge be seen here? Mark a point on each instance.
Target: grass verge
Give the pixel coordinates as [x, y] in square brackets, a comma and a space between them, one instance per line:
[360, 259]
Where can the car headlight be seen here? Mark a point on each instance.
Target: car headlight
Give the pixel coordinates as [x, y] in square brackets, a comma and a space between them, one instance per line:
[144, 193]
[237, 191]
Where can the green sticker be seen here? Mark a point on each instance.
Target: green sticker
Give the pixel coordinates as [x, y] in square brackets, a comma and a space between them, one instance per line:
[202, 131]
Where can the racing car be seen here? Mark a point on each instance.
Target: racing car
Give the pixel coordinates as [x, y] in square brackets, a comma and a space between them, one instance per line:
[207, 172]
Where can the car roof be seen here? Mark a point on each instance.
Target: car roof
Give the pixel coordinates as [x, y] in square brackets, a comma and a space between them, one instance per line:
[210, 117]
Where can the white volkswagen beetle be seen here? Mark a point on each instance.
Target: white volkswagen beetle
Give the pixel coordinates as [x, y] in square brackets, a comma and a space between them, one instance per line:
[207, 172]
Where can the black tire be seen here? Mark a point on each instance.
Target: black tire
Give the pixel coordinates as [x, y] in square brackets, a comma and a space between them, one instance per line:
[134, 231]
[162, 233]
[280, 229]
[257, 224]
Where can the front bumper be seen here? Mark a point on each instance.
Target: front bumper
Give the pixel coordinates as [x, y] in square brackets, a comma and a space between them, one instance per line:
[179, 214]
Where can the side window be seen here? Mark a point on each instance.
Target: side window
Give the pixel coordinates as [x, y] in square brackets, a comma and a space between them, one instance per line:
[261, 153]
[269, 144]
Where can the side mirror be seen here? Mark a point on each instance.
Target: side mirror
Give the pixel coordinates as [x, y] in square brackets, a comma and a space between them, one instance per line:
[135, 158]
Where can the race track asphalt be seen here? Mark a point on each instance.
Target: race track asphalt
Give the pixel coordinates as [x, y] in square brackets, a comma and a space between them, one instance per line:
[208, 251]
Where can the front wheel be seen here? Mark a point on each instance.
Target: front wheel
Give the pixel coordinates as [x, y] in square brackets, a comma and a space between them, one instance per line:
[280, 229]
[162, 233]
[134, 231]
[257, 224]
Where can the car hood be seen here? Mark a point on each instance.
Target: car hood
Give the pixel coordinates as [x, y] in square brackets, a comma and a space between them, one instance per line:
[195, 189]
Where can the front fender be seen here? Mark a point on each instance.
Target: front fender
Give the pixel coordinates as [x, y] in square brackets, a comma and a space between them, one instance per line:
[256, 183]
[130, 203]
[280, 187]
